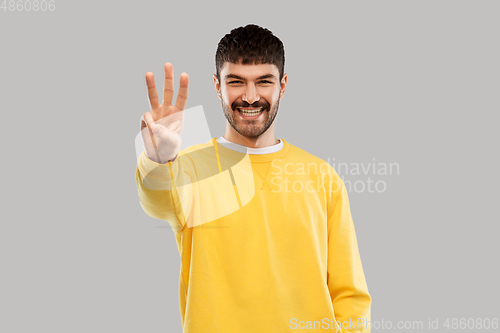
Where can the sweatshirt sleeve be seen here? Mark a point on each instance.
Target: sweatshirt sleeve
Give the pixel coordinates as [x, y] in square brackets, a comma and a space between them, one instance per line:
[345, 278]
[165, 190]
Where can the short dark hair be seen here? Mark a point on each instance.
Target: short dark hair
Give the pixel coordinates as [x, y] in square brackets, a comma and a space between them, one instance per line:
[250, 44]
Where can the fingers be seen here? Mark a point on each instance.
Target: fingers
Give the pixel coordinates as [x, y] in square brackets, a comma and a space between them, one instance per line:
[168, 86]
[168, 89]
[183, 92]
[153, 95]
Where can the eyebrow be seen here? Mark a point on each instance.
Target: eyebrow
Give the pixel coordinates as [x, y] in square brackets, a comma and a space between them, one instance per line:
[234, 76]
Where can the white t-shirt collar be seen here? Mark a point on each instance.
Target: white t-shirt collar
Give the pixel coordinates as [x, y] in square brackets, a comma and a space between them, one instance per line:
[248, 150]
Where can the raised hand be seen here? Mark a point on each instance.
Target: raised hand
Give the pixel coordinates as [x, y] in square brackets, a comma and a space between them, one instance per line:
[161, 127]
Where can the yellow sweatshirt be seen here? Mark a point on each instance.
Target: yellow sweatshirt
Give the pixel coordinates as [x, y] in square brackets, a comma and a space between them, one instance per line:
[267, 242]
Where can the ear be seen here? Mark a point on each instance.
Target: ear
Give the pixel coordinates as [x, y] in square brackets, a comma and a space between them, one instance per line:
[217, 86]
[284, 81]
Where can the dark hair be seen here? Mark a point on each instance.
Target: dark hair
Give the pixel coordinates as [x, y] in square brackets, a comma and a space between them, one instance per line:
[250, 44]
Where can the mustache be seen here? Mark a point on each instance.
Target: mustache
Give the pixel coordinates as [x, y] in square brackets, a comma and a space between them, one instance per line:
[258, 104]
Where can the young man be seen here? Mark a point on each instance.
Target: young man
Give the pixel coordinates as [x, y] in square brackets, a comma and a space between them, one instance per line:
[264, 229]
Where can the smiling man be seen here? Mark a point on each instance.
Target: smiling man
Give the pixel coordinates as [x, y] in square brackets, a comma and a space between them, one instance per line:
[254, 257]
[252, 94]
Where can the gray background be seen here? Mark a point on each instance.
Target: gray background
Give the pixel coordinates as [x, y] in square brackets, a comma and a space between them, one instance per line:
[408, 82]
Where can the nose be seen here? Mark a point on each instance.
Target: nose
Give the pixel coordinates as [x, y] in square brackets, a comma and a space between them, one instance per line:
[250, 95]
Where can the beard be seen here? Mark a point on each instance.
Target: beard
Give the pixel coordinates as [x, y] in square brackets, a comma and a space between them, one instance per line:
[250, 128]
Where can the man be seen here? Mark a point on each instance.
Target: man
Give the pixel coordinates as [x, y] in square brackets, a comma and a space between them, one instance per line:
[257, 253]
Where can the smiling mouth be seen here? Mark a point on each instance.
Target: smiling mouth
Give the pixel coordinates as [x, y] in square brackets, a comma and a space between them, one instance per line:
[250, 111]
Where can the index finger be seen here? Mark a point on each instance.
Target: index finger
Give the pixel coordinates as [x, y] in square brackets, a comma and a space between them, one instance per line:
[168, 86]
[153, 95]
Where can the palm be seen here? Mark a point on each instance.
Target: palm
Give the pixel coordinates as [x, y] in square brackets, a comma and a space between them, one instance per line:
[162, 126]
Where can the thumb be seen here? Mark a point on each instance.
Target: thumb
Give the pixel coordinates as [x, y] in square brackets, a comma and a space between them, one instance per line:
[161, 131]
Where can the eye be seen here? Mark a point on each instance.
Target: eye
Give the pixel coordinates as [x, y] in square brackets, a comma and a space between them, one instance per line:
[265, 82]
[234, 82]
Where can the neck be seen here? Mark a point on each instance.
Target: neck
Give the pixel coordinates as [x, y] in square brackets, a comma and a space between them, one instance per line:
[265, 140]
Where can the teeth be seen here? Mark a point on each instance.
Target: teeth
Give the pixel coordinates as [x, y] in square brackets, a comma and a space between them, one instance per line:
[250, 112]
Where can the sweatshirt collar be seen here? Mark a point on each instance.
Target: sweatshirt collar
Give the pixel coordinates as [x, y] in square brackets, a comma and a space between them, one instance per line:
[224, 149]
